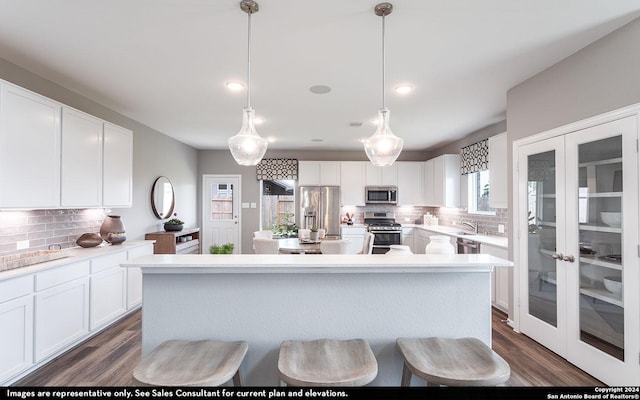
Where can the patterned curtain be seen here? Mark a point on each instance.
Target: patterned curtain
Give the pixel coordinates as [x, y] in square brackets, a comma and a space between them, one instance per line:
[277, 168]
[474, 157]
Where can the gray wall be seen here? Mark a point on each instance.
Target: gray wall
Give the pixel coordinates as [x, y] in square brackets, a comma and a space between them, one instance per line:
[480, 134]
[154, 154]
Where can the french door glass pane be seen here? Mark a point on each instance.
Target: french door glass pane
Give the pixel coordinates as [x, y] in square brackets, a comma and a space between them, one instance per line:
[221, 202]
[541, 214]
[601, 264]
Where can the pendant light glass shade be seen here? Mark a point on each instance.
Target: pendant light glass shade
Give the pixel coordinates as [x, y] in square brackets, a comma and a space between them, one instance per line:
[247, 147]
[383, 147]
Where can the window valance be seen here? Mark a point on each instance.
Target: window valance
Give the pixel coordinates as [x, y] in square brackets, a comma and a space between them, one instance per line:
[474, 157]
[269, 169]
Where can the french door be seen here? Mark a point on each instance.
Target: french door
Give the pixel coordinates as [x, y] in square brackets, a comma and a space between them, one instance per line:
[578, 216]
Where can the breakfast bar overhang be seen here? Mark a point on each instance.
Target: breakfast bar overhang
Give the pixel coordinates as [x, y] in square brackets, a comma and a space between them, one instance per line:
[266, 299]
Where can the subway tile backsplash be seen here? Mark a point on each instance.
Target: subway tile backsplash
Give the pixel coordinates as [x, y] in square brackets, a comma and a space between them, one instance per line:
[43, 228]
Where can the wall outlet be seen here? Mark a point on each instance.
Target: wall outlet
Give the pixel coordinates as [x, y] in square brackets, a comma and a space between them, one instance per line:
[22, 244]
[500, 228]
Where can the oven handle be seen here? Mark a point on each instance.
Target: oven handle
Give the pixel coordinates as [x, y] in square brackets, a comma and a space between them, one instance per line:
[383, 231]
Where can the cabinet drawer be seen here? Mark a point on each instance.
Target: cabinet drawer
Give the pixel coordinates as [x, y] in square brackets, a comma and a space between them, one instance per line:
[57, 276]
[14, 288]
[106, 262]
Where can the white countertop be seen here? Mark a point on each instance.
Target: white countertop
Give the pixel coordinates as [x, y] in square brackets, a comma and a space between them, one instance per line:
[497, 241]
[74, 254]
[314, 264]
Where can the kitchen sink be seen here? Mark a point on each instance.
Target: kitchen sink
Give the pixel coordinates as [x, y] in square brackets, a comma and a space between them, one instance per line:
[465, 233]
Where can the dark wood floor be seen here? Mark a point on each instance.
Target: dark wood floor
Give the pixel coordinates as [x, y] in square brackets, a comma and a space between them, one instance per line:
[109, 358]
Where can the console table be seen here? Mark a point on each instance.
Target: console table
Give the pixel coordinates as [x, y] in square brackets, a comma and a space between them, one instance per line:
[186, 241]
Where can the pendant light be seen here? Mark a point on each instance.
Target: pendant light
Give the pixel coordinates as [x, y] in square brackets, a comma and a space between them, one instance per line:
[247, 147]
[383, 147]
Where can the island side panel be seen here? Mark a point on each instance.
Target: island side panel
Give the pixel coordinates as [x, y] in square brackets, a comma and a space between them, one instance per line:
[265, 309]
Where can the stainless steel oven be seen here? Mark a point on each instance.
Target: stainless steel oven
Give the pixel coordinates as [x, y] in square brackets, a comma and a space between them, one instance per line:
[385, 230]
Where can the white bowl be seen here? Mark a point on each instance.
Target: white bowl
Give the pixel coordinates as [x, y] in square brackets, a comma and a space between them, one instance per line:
[613, 219]
[613, 284]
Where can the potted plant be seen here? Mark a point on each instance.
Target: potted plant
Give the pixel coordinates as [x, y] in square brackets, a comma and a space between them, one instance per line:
[313, 235]
[226, 248]
[174, 224]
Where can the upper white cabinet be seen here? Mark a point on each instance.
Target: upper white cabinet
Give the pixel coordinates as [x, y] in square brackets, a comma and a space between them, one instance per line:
[326, 173]
[352, 182]
[381, 176]
[117, 173]
[498, 171]
[29, 149]
[442, 179]
[81, 179]
[410, 183]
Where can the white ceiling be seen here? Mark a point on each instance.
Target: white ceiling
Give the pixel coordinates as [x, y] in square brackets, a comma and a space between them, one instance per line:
[165, 62]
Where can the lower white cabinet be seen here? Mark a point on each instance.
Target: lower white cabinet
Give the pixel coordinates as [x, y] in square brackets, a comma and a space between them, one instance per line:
[356, 236]
[108, 296]
[421, 240]
[407, 237]
[499, 278]
[16, 336]
[61, 317]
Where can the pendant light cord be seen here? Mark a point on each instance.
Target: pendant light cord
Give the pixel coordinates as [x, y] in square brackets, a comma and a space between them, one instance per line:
[249, 61]
[383, 62]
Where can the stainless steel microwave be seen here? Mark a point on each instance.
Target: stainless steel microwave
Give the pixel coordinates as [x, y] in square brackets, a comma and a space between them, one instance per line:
[381, 194]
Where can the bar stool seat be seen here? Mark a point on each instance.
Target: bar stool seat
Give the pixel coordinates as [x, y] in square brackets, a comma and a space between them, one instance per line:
[452, 362]
[327, 362]
[192, 363]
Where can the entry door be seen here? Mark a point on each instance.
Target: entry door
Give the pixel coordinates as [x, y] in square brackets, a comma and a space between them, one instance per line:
[579, 193]
[221, 211]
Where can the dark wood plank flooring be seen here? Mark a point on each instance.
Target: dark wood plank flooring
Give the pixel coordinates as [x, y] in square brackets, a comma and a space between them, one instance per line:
[109, 358]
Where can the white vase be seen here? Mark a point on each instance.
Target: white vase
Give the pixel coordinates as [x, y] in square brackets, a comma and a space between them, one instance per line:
[398, 249]
[439, 244]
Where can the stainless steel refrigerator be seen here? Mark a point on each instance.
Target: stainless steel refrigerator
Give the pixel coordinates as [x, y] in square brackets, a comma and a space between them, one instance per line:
[319, 206]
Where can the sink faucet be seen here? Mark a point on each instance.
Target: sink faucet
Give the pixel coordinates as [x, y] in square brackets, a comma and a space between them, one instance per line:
[471, 225]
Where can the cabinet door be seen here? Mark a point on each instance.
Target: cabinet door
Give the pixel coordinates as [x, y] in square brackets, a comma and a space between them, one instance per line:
[352, 178]
[330, 173]
[16, 336]
[381, 176]
[410, 181]
[498, 171]
[582, 233]
[308, 173]
[29, 149]
[500, 278]
[61, 317]
[108, 296]
[117, 167]
[429, 195]
[81, 179]
[407, 238]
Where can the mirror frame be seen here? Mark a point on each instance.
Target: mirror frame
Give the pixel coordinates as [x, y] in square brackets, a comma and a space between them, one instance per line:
[156, 192]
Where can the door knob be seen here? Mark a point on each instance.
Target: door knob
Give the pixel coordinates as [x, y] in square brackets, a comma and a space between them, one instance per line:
[557, 256]
[569, 258]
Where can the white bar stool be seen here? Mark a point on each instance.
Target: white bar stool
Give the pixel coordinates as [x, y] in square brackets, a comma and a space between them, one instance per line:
[327, 362]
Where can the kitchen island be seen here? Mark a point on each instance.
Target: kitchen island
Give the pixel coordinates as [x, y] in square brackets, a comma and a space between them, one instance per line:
[266, 299]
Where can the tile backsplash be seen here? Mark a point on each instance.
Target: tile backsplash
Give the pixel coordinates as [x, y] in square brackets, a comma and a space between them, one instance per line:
[487, 224]
[43, 228]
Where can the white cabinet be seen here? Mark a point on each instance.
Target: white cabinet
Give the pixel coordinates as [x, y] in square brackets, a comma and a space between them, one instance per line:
[62, 309]
[407, 237]
[498, 171]
[501, 284]
[81, 179]
[326, 173]
[381, 176]
[117, 190]
[356, 236]
[16, 320]
[29, 149]
[442, 179]
[108, 289]
[134, 277]
[410, 183]
[352, 178]
[421, 240]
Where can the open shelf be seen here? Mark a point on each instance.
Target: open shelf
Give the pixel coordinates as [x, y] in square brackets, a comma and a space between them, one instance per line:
[171, 242]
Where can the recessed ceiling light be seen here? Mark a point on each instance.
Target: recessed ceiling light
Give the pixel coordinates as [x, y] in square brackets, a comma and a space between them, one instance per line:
[317, 140]
[404, 88]
[320, 89]
[234, 86]
[355, 124]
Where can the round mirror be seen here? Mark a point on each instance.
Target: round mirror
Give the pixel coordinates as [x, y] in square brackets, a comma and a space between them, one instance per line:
[162, 198]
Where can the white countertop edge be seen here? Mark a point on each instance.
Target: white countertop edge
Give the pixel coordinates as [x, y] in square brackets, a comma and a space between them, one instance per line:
[74, 254]
[314, 264]
[496, 241]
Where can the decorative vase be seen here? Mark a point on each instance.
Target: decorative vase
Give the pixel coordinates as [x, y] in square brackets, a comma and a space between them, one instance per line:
[439, 244]
[313, 236]
[399, 249]
[173, 227]
[89, 240]
[112, 229]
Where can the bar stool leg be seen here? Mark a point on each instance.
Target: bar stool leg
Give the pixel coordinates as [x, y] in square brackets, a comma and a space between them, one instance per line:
[406, 376]
[236, 379]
